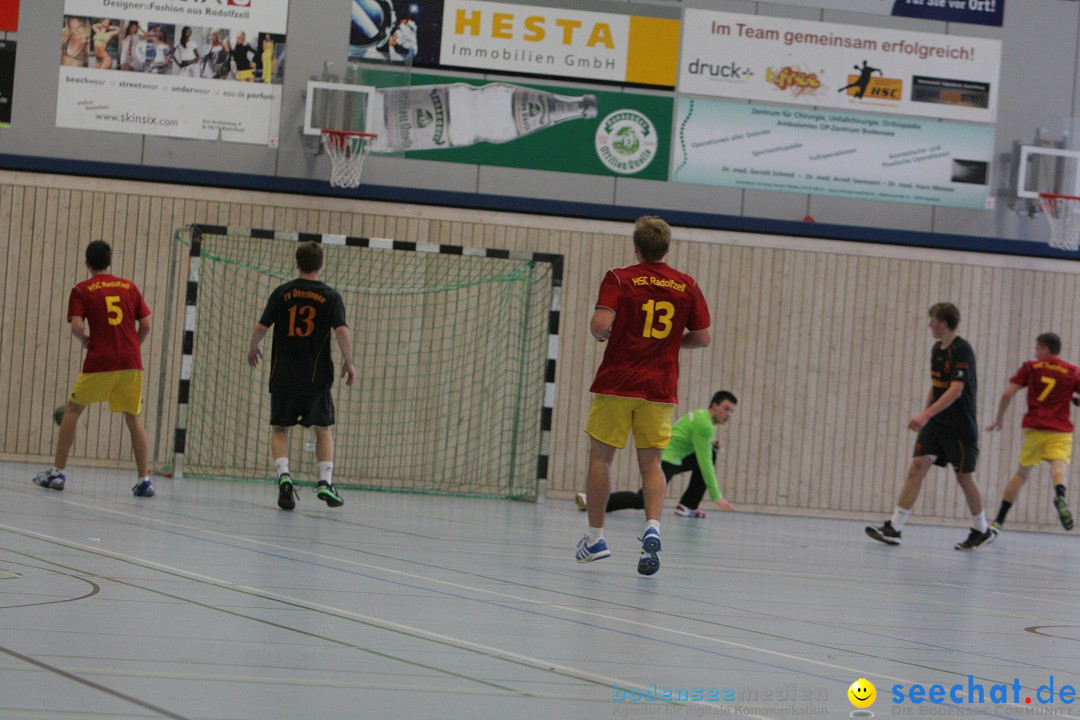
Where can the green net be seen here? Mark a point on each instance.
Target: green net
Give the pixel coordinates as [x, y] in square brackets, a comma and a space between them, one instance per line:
[450, 352]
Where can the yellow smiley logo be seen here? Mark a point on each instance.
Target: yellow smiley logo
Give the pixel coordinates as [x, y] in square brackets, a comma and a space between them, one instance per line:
[862, 693]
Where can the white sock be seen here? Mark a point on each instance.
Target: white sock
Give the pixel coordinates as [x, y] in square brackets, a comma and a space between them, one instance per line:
[652, 524]
[595, 534]
[899, 517]
[282, 465]
[326, 470]
[979, 522]
[55, 470]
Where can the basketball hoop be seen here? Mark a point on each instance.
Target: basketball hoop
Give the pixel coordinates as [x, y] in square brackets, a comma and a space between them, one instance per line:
[347, 150]
[1063, 212]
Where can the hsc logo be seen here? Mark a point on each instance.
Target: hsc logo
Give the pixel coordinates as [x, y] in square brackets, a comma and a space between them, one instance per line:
[730, 71]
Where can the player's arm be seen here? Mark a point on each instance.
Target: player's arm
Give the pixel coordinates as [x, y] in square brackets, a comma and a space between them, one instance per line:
[603, 320]
[1003, 404]
[79, 331]
[955, 389]
[701, 439]
[254, 351]
[344, 341]
[144, 328]
[696, 339]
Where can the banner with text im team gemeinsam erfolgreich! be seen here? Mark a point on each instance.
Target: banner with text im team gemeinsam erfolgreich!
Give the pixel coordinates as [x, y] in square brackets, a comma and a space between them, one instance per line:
[842, 67]
[204, 69]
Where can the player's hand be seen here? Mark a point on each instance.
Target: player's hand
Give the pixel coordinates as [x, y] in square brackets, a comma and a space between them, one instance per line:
[404, 38]
[254, 356]
[348, 371]
[996, 425]
[917, 423]
[725, 505]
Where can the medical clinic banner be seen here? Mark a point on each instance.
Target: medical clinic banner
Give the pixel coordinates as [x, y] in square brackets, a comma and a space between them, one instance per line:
[516, 39]
[848, 67]
[173, 68]
[978, 12]
[839, 154]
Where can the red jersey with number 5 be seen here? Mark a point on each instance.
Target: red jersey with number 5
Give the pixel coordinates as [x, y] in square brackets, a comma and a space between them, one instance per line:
[653, 305]
[1050, 386]
[111, 305]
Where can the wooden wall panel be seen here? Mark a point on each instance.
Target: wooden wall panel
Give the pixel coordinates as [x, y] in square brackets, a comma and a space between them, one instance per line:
[825, 343]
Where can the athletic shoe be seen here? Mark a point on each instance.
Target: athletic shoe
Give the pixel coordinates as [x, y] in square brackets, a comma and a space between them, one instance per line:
[326, 492]
[995, 527]
[580, 500]
[886, 533]
[1063, 513]
[976, 539]
[587, 553]
[649, 562]
[51, 480]
[286, 492]
[143, 489]
[688, 512]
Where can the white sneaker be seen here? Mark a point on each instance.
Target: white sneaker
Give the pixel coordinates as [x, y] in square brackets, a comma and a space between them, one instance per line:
[580, 500]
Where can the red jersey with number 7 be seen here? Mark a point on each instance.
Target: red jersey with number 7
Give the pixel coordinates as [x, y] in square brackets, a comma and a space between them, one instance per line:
[110, 305]
[654, 304]
[1050, 384]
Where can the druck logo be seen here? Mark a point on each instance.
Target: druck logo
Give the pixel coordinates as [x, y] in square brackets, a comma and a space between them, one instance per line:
[730, 71]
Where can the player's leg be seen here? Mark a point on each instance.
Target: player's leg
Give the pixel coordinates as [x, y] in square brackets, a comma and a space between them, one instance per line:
[608, 425]
[140, 448]
[126, 397]
[652, 433]
[324, 453]
[962, 455]
[890, 531]
[1058, 450]
[1009, 495]
[625, 500]
[56, 477]
[695, 489]
[1059, 473]
[283, 415]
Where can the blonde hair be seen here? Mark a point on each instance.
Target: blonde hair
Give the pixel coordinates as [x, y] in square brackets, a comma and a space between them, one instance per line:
[652, 238]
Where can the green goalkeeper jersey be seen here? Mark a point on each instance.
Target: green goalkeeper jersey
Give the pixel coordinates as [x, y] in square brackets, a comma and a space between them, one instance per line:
[693, 434]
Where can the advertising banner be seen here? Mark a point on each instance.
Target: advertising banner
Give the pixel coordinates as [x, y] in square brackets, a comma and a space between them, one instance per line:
[9, 15]
[753, 57]
[533, 127]
[839, 154]
[511, 38]
[7, 80]
[173, 68]
[977, 12]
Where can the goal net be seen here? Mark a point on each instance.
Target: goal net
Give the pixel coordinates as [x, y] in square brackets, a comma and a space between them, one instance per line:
[454, 350]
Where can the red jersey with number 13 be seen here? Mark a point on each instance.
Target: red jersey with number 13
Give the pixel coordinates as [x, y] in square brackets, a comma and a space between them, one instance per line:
[1050, 385]
[653, 304]
[111, 305]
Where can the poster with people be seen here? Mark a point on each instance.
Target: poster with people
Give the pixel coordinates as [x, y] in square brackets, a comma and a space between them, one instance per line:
[204, 72]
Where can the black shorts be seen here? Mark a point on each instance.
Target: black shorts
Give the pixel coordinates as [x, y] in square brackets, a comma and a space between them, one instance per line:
[947, 449]
[287, 410]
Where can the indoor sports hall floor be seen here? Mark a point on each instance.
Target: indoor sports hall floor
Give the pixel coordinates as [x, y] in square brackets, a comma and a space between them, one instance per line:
[208, 602]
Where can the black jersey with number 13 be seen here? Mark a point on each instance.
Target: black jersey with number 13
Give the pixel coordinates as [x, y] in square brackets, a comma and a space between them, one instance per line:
[304, 314]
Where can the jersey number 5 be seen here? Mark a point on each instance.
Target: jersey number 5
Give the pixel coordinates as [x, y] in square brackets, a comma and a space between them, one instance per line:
[113, 309]
[307, 320]
[659, 313]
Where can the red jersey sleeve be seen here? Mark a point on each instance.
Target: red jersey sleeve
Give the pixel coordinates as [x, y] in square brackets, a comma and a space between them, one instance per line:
[699, 318]
[609, 292]
[1022, 375]
[76, 304]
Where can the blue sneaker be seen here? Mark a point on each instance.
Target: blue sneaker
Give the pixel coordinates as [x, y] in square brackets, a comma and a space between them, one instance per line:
[587, 553]
[649, 562]
[143, 489]
[51, 480]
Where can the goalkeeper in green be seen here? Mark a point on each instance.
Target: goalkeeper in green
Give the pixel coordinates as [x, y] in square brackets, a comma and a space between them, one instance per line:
[692, 449]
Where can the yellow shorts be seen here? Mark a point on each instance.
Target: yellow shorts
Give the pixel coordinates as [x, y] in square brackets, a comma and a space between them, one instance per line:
[1040, 445]
[611, 419]
[245, 74]
[122, 388]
